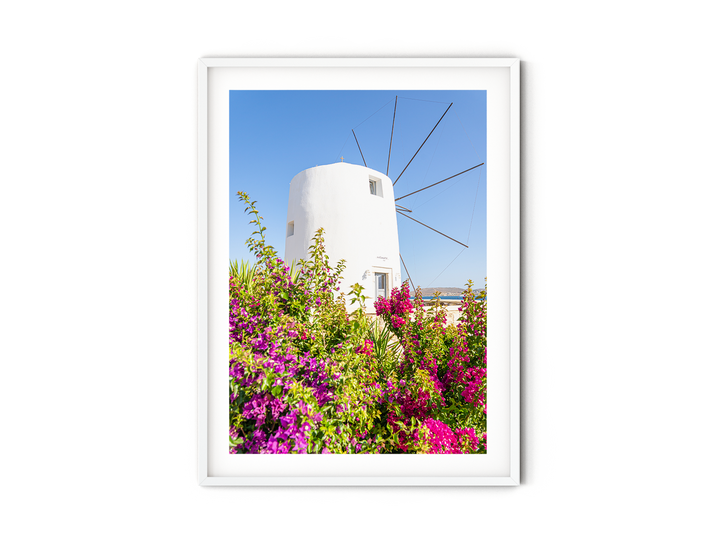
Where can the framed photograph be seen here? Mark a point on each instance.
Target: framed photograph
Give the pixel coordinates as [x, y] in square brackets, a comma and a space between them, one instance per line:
[358, 271]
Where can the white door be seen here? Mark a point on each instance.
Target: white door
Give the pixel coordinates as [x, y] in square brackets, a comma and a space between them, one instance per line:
[380, 285]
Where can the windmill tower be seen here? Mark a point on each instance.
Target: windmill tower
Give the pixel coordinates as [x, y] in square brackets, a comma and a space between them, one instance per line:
[356, 207]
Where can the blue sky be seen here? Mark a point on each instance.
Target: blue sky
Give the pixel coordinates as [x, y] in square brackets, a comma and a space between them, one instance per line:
[276, 134]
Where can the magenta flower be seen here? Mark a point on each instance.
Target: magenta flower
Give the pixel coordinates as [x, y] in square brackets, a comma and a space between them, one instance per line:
[366, 348]
[303, 378]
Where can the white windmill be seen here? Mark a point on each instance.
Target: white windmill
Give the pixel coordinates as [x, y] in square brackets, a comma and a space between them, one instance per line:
[356, 206]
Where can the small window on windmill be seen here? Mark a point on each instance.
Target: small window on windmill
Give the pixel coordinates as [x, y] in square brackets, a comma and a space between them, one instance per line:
[291, 228]
[375, 187]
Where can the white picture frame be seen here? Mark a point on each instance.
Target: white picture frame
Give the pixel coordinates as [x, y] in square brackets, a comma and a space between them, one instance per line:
[500, 77]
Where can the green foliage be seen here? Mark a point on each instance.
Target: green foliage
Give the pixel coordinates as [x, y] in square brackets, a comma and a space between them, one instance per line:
[386, 347]
[306, 376]
[243, 273]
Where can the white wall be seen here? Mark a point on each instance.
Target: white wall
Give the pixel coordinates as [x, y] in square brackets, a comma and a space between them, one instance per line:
[359, 227]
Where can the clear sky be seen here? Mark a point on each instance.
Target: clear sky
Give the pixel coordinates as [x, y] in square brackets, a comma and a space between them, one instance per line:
[274, 135]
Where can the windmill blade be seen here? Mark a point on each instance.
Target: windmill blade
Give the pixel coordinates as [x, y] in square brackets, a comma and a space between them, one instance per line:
[436, 183]
[406, 271]
[423, 144]
[387, 172]
[402, 208]
[356, 142]
[429, 227]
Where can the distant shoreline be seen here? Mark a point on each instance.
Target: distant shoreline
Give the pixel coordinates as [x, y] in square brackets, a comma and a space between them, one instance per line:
[447, 291]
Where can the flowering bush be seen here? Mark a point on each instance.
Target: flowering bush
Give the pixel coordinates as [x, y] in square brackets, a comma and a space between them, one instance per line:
[440, 406]
[306, 376]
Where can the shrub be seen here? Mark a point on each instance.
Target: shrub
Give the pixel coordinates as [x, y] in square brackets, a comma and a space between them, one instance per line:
[306, 376]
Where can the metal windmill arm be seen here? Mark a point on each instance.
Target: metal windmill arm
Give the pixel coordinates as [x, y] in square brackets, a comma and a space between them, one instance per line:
[429, 227]
[423, 144]
[358, 145]
[440, 182]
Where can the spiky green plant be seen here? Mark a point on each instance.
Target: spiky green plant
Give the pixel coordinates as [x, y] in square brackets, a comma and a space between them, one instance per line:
[386, 347]
[294, 271]
[244, 273]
